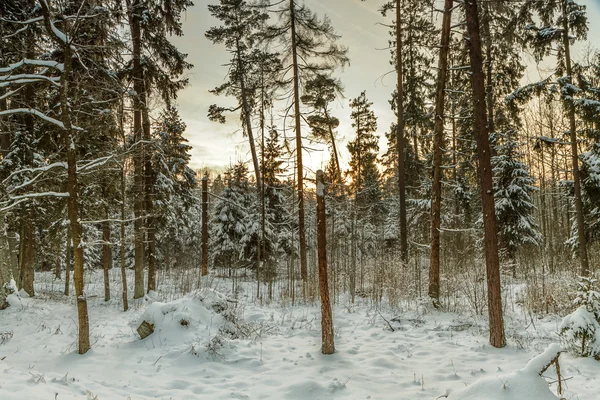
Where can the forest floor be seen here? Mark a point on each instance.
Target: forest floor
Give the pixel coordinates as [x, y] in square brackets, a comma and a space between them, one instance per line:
[270, 351]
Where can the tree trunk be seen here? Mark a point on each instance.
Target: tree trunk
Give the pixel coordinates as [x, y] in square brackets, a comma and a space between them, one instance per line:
[300, 166]
[438, 144]
[204, 225]
[72, 184]
[123, 215]
[138, 157]
[489, 68]
[27, 256]
[68, 261]
[328, 346]
[149, 180]
[106, 255]
[481, 132]
[400, 138]
[247, 115]
[581, 235]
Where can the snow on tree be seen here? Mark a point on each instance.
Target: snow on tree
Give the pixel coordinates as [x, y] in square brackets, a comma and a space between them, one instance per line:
[513, 191]
[581, 329]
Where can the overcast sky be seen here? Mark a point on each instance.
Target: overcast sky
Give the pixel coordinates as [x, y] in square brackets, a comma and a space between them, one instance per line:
[357, 22]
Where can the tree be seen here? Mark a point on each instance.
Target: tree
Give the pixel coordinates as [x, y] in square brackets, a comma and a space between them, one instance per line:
[318, 94]
[229, 219]
[481, 133]
[363, 152]
[559, 22]
[327, 336]
[308, 48]
[151, 23]
[243, 23]
[513, 189]
[438, 144]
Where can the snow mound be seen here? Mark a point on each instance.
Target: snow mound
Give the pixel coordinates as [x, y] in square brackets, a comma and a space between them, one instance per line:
[523, 384]
[195, 317]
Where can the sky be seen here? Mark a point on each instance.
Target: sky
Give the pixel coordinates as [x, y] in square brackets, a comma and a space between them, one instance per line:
[215, 145]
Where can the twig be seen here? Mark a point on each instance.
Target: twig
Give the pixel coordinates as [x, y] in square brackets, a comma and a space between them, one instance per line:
[386, 321]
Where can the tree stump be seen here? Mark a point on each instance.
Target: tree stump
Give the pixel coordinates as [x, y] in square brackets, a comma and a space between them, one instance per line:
[145, 329]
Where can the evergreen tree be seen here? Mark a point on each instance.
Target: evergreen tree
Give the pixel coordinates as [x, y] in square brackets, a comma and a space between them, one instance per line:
[318, 94]
[229, 220]
[242, 25]
[553, 26]
[513, 191]
[309, 48]
[363, 152]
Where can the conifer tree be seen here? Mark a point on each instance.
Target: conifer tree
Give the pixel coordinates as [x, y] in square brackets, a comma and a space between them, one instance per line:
[513, 190]
[363, 152]
[549, 26]
[242, 25]
[308, 48]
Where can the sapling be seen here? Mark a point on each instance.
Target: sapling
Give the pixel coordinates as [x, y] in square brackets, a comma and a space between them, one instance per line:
[581, 329]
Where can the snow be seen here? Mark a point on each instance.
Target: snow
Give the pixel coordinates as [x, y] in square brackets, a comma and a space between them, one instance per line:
[429, 354]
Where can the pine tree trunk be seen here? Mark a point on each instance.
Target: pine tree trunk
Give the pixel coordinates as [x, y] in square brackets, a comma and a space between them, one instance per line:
[106, 255]
[27, 256]
[438, 144]
[581, 234]
[328, 346]
[68, 261]
[205, 226]
[149, 180]
[72, 184]
[300, 166]
[400, 138]
[5, 137]
[138, 157]
[489, 68]
[481, 132]
[123, 215]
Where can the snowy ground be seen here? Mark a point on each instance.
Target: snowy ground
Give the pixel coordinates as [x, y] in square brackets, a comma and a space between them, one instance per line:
[429, 355]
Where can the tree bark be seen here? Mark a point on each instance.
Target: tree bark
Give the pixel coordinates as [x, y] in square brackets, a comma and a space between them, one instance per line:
[400, 138]
[123, 215]
[481, 132]
[328, 346]
[138, 157]
[438, 144]
[582, 239]
[72, 183]
[106, 255]
[27, 256]
[300, 166]
[149, 180]
[68, 261]
[204, 225]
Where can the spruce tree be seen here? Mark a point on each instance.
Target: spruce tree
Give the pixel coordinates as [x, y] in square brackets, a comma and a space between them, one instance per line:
[513, 192]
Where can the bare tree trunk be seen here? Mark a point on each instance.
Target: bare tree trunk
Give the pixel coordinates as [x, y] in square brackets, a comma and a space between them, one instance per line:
[481, 132]
[581, 234]
[400, 138]
[204, 225]
[300, 166]
[438, 144]
[328, 346]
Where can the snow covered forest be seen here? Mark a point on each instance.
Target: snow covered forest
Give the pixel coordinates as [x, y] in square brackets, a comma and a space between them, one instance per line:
[453, 257]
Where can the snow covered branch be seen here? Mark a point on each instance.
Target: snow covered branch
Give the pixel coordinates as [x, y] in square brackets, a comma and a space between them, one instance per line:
[38, 114]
